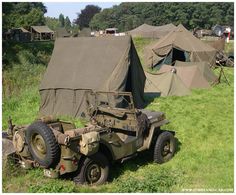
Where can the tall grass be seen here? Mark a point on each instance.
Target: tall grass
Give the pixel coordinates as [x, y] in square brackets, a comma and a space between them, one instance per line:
[21, 77]
[140, 44]
[229, 48]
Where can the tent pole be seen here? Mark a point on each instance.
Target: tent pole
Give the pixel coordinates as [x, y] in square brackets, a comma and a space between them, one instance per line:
[222, 73]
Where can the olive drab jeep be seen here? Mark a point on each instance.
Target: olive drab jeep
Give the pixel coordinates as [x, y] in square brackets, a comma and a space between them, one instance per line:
[116, 131]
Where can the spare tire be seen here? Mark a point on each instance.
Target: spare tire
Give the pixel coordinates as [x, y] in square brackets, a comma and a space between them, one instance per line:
[42, 144]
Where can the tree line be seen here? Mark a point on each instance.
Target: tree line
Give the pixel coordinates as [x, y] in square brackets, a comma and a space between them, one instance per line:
[127, 16]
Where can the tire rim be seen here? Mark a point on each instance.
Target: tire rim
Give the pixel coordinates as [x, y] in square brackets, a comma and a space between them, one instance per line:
[39, 146]
[93, 173]
[166, 150]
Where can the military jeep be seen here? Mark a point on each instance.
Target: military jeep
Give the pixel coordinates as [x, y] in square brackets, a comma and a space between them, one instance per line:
[116, 131]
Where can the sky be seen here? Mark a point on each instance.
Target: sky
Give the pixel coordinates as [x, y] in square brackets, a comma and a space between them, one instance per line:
[54, 9]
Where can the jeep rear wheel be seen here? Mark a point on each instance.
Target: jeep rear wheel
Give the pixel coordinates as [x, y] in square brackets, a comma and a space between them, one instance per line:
[42, 144]
[165, 147]
[93, 170]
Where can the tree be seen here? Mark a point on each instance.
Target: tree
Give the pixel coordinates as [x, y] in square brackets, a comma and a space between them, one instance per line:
[35, 17]
[62, 20]
[101, 21]
[52, 23]
[17, 14]
[84, 18]
[67, 23]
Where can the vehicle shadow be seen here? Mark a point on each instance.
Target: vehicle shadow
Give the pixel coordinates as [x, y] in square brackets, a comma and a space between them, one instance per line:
[133, 165]
[142, 159]
[178, 145]
[150, 97]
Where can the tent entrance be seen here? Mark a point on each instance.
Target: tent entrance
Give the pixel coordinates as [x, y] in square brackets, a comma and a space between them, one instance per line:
[173, 56]
[178, 55]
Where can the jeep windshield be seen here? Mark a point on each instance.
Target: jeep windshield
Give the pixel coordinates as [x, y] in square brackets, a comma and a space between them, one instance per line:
[112, 100]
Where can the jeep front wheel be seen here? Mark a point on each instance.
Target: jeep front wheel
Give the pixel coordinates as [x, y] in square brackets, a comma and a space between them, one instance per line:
[93, 170]
[164, 148]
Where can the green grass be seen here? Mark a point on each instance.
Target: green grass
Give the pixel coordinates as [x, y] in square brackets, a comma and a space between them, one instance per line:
[229, 47]
[204, 126]
[140, 44]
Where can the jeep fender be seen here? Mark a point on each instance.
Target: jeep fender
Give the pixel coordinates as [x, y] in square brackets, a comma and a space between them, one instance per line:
[148, 139]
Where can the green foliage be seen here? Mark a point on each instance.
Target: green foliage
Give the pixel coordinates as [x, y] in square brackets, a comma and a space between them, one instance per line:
[55, 23]
[78, 122]
[52, 23]
[23, 107]
[229, 48]
[55, 186]
[84, 18]
[14, 52]
[22, 14]
[67, 23]
[34, 17]
[24, 66]
[190, 14]
[140, 43]
[62, 20]
[153, 179]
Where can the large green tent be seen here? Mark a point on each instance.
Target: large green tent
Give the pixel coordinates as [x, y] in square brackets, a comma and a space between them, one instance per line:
[62, 32]
[90, 63]
[179, 44]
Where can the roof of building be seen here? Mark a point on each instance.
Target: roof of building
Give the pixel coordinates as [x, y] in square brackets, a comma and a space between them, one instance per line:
[42, 29]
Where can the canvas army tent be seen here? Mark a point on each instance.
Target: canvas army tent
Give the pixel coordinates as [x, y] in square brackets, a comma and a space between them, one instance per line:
[148, 31]
[98, 63]
[167, 84]
[218, 44]
[189, 75]
[85, 32]
[205, 70]
[62, 32]
[144, 30]
[179, 44]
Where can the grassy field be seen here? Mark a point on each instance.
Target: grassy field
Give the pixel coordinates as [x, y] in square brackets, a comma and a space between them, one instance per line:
[204, 126]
